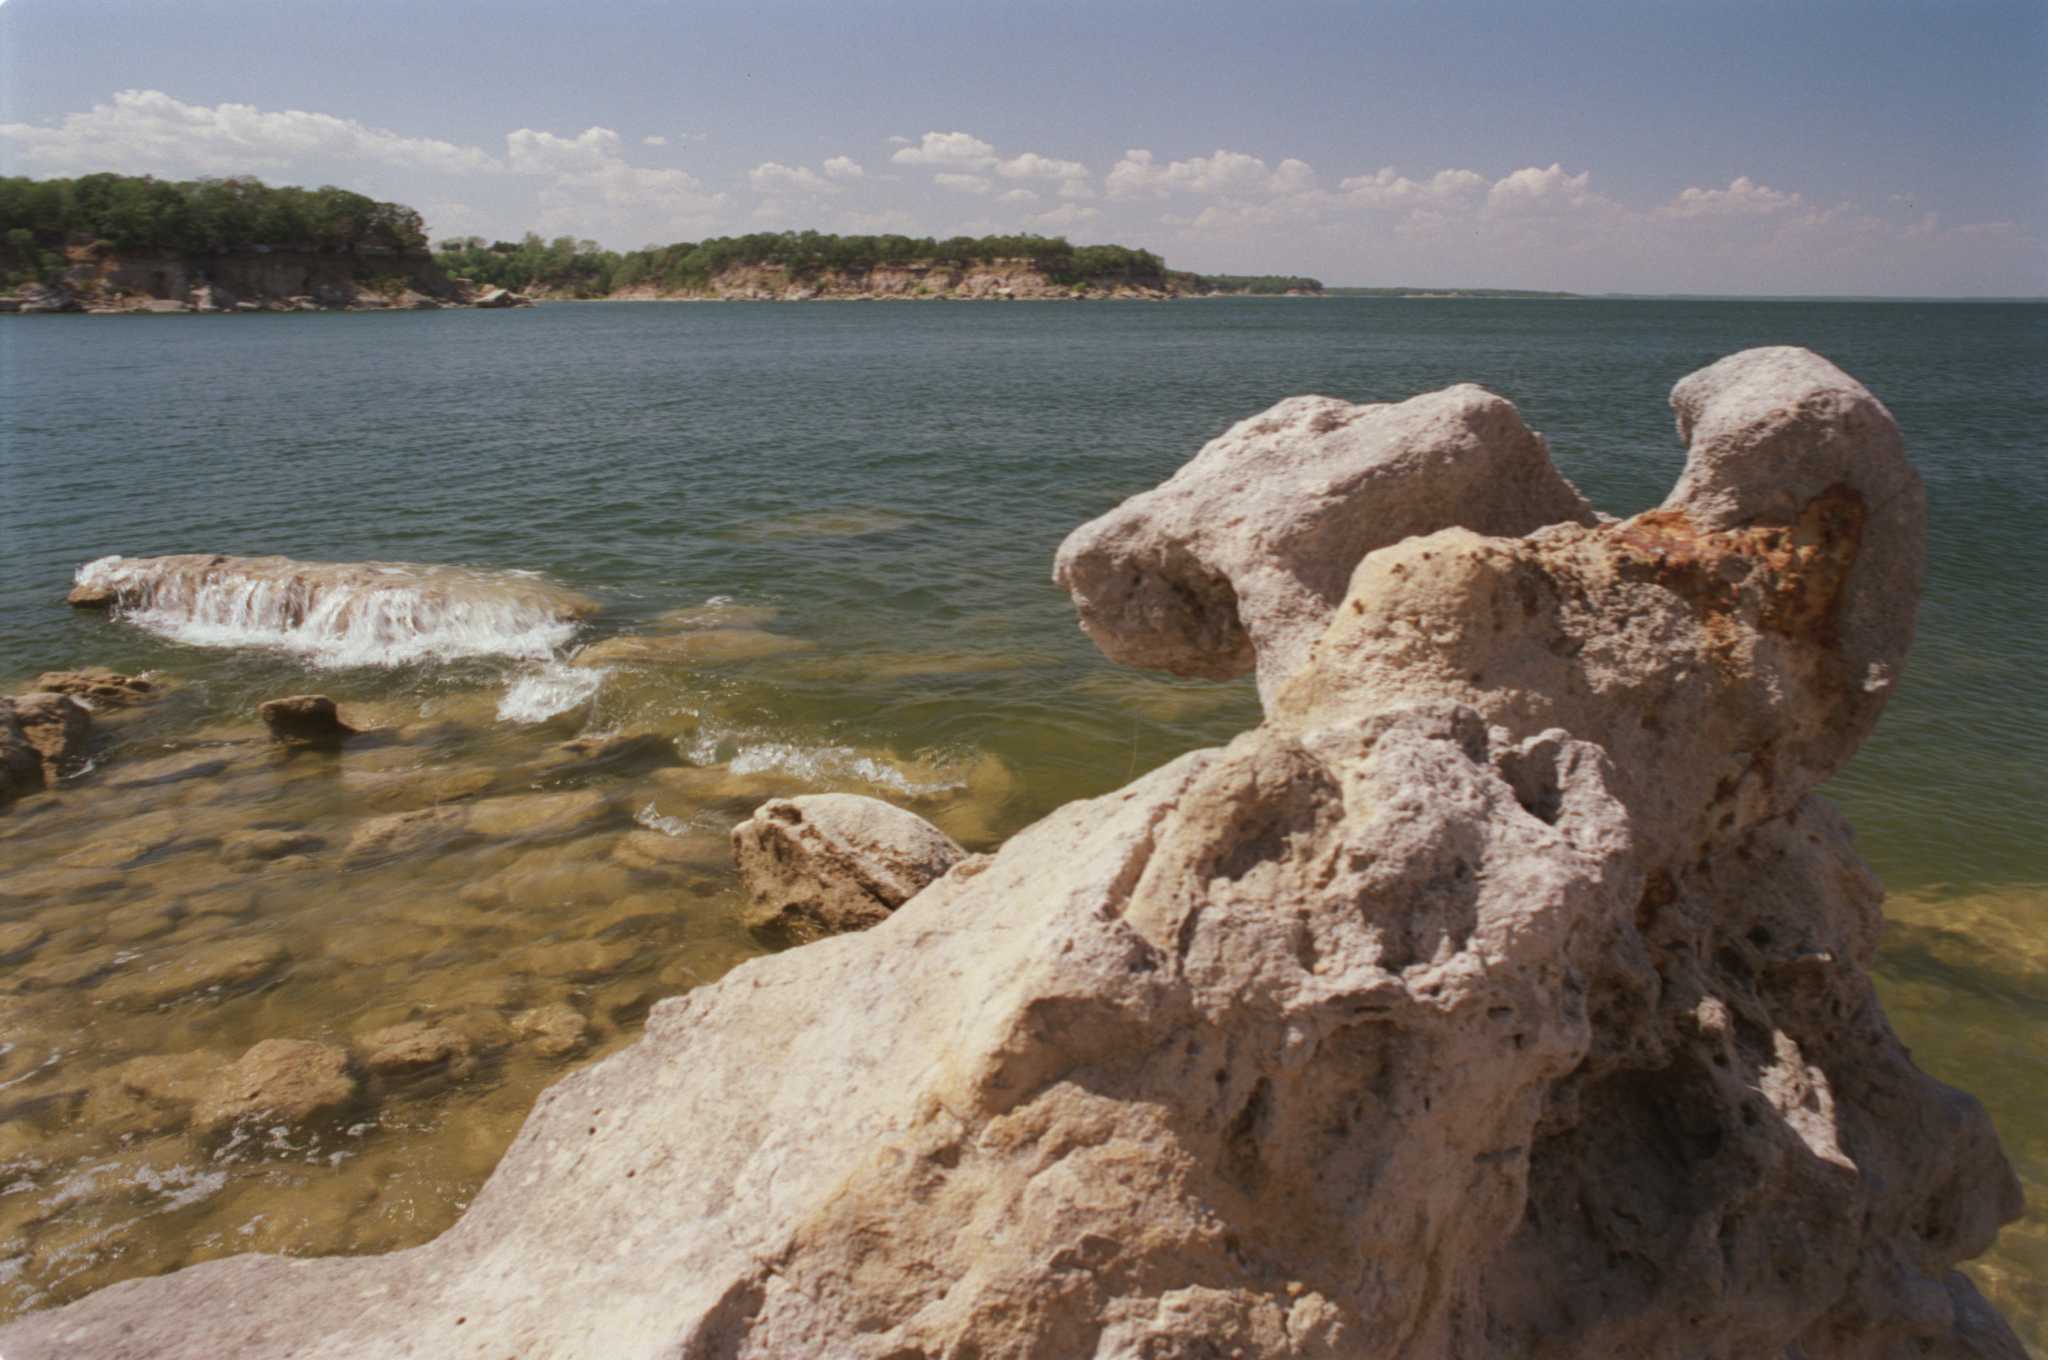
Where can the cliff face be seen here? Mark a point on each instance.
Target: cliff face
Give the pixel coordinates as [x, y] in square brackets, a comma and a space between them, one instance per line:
[263, 280]
[993, 279]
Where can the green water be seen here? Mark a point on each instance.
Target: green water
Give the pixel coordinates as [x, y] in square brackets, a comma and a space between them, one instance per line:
[886, 486]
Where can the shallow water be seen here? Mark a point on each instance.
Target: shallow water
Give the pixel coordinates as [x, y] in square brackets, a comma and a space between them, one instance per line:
[879, 492]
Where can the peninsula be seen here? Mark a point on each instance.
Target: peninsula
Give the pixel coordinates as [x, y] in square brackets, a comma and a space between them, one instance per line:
[121, 243]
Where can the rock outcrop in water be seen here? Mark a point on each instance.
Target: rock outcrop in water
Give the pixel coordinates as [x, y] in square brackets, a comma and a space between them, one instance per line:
[1423, 1020]
[341, 613]
[825, 863]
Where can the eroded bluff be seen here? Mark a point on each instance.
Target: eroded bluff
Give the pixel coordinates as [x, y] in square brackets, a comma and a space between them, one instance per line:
[1502, 994]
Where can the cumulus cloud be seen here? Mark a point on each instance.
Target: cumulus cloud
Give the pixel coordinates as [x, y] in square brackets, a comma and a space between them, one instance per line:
[1233, 173]
[949, 151]
[1018, 196]
[1743, 197]
[148, 131]
[1385, 188]
[773, 177]
[963, 184]
[1535, 190]
[843, 168]
[1031, 165]
[654, 140]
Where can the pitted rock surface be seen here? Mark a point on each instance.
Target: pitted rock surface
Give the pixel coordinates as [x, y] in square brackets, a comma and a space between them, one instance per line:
[1457, 1010]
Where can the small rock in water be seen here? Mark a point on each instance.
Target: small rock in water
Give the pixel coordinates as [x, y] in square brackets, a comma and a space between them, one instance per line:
[151, 1095]
[579, 960]
[21, 764]
[826, 863]
[99, 687]
[216, 967]
[406, 833]
[611, 753]
[253, 847]
[553, 1031]
[286, 1081]
[414, 1048]
[57, 726]
[539, 815]
[305, 720]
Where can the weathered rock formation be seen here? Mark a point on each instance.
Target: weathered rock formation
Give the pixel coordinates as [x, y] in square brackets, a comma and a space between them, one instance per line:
[304, 719]
[1415, 1022]
[1237, 560]
[825, 863]
[43, 735]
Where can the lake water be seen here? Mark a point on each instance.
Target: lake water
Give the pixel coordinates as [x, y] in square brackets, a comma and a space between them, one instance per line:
[877, 490]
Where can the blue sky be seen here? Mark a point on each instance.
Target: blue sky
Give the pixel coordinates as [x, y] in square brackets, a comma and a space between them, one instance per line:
[1644, 146]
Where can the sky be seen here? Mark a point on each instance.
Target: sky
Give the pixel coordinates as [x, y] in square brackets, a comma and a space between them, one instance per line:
[1791, 147]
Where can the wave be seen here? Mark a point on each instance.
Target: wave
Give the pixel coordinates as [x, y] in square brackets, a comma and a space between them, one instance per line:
[338, 614]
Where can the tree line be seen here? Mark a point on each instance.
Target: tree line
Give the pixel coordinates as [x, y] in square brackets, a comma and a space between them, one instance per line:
[585, 270]
[40, 219]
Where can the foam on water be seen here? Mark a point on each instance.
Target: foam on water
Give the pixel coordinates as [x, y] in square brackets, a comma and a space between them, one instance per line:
[553, 689]
[831, 764]
[339, 614]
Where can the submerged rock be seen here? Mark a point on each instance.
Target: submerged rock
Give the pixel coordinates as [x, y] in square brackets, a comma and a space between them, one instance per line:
[280, 1081]
[1424, 1020]
[826, 863]
[21, 764]
[57, 726]
[305, 719]
[553, 1031]
[416, 1048]
[99, 687]
[694, 647]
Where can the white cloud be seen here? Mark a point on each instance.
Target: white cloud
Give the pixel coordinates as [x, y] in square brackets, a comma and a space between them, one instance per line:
[1534, 190]
[1235, 173]
[1386, 189]
[964, 184]
[1076, 189]
[773, 177]
[1018, 196]
[1743, 197]
[149, 132]
[1031, 165]
[843, 167]
[950, 151]
[655, 140]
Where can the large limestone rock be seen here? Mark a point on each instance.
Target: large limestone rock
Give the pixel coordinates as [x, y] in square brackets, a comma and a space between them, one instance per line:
[1238, 559]
[1412, 1023]
[830, 862]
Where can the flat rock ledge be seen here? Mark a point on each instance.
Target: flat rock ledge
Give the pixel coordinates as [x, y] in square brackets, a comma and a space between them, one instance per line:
[1424, 1020]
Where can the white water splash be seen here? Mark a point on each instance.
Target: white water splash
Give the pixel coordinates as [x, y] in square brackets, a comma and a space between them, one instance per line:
[554, 688]
[651, 818]
[834, 764]
[339, 614]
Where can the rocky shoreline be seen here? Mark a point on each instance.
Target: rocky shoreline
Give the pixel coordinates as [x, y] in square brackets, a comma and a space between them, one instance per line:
[1504, 992]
